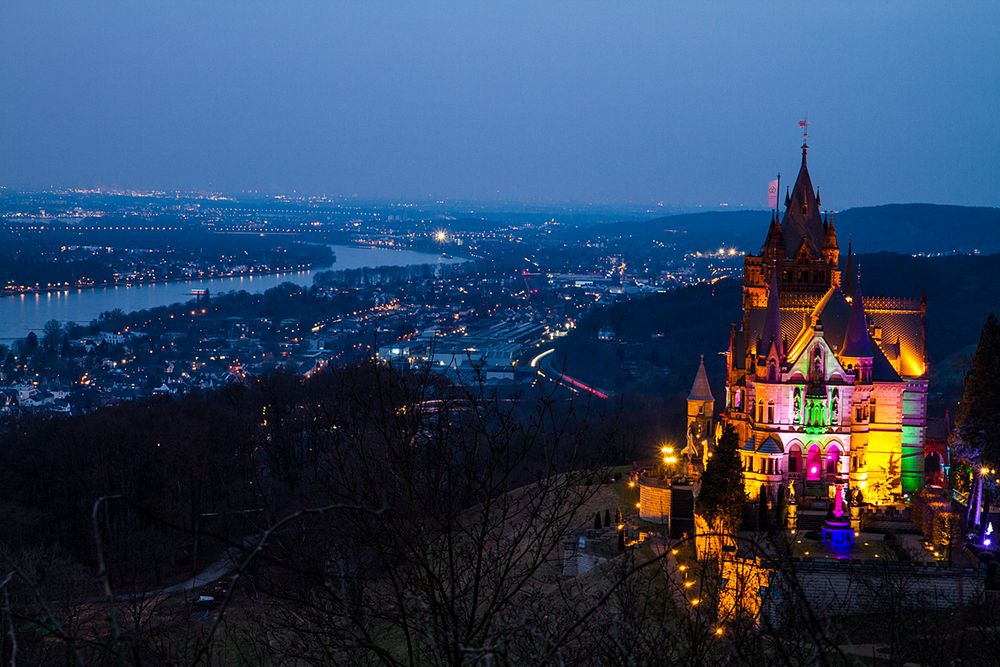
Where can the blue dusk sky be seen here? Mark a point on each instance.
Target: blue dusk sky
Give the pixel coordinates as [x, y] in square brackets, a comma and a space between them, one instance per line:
[543, 101]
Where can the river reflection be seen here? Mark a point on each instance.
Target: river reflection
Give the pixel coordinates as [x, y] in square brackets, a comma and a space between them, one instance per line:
[23, 313]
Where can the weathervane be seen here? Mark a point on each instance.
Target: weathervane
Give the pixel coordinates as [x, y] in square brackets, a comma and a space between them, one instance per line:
[804, 126]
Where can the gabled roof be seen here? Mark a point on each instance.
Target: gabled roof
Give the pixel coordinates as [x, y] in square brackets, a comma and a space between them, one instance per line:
[900, 319]
[700, 390]
[802, 221]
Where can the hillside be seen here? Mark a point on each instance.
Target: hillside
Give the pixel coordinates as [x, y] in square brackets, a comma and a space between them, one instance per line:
[660, 337]
[905, 228]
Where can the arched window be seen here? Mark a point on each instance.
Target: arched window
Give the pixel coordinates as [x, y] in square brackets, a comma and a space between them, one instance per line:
[817, 366]
[701, 409]
[760, 410]
[770, 412]
[832, 457]
[794, 459]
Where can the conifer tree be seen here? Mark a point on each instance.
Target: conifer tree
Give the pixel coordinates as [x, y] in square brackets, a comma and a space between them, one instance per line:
[781, 506]
[722, 496]
[762, 518]
[977, 425]
[597, 520]
[607, 517]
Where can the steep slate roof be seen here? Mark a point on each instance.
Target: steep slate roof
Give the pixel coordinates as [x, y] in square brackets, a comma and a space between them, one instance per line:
[900, 320]
[770, 446]
[857, 340]
[802, 221]
[882, 370]
[700, 391]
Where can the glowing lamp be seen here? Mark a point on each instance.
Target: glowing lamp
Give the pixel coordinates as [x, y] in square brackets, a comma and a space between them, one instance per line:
[813, 470]
[987, 542]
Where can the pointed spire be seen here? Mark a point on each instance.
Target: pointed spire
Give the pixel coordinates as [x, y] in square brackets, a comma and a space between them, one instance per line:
[788, 197]
[847, 284]
[802, 219]
[817, 198]
[771, 333]
[774, 243]
[831, 233]
[700, 390]
[857, 340]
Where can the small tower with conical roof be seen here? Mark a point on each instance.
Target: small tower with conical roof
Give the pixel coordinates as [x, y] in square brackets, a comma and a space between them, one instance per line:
[700, 414]
[831, 249]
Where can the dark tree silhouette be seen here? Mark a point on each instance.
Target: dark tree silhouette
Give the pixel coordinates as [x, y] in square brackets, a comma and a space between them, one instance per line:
[722, 495]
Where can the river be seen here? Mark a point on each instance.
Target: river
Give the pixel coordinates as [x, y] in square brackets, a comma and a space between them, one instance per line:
[30, 312]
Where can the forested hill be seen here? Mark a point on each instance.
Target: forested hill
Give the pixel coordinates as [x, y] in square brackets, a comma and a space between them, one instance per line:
[902, 228]
[661, 336]
[921, 228]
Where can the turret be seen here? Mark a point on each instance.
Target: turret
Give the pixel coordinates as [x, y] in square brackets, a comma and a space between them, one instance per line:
[700, 411]
[831, 250]
[774, 243]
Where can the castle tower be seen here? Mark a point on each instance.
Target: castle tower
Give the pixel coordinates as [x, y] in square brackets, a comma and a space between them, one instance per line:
[826, 389]
[800, 246]
[700, 411]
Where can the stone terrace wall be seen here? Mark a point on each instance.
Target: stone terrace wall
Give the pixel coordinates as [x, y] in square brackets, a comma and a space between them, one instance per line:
[840, 587]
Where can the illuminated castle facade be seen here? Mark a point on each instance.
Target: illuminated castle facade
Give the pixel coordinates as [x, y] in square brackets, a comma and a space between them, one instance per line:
[826, 387]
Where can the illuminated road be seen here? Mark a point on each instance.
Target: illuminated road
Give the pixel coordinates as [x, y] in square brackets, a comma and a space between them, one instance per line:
[542, 363]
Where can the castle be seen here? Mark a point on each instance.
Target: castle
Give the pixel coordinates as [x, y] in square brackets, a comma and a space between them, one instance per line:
[826, 387]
